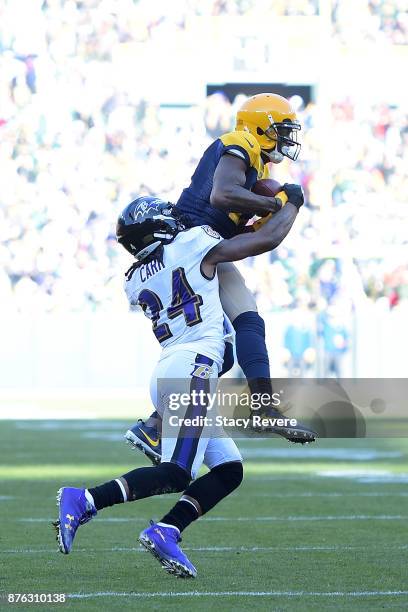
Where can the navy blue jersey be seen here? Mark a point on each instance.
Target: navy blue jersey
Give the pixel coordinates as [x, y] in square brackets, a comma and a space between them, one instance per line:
[195, 199]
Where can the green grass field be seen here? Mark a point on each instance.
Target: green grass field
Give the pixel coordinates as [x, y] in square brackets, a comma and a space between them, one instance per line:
[317, 528]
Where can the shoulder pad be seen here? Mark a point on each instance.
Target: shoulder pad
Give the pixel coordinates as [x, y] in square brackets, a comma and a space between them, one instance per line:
[243, 141]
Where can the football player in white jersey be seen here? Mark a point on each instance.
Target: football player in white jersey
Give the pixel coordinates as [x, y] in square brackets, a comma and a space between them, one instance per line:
[174, 280]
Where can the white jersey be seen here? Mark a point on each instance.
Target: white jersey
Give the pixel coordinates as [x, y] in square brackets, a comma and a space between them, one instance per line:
[182, 304]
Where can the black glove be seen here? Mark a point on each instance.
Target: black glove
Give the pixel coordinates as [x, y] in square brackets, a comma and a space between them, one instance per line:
[295, 194]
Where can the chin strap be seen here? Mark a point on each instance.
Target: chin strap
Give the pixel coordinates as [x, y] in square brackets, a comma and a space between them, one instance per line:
[146, 251]
[274, 156]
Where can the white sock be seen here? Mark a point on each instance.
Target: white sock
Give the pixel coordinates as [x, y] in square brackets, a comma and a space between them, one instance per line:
[122, 488]
[171, 526]
[89, 498]
[188, 501]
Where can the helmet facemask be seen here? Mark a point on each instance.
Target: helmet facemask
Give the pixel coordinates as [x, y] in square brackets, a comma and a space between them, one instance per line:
[284, 135]
[163, 231]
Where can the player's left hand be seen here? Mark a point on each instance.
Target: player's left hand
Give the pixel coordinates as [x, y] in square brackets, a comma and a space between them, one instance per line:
[295, 194]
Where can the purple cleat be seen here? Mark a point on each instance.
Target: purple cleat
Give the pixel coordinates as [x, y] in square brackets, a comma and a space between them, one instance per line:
[74, 510]
[162, 542]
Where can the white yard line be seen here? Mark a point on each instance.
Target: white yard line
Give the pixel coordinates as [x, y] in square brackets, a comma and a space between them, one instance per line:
[337, 454]
[217, 549]
[308, 494]
[238, 594]
[348, 517]
[339, 494]
[266, 519]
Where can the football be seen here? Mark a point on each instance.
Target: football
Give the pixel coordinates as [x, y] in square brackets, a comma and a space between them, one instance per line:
[267, 187]
[271, 189]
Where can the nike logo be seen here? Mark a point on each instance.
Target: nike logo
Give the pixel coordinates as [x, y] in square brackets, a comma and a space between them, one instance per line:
[148, 438]
[160, 534]
[251, 145]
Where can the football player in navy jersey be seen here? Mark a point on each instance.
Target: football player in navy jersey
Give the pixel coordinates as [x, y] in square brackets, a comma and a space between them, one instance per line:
[220, 196]
[220, 190]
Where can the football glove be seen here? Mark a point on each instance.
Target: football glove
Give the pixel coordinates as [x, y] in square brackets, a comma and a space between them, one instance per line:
[295, 194]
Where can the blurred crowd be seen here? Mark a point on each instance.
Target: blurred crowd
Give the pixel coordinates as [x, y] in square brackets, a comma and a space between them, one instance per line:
[378, 21]
[79, 140]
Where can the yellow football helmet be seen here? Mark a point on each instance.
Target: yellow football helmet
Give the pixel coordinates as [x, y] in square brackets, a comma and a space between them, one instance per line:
[273, 122]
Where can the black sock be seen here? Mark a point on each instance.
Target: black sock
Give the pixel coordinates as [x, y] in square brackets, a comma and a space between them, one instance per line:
[141, 483]
[154, 420]
[260, 385]
[107, 494]
[207, 491]
[250, 346]
[181, 515]
[163, 478]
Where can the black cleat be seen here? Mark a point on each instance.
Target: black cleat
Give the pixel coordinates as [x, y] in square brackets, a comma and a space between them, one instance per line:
[145, 439]
[271, 420]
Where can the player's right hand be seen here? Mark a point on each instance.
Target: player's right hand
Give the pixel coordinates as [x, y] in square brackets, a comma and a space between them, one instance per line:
[295, 194]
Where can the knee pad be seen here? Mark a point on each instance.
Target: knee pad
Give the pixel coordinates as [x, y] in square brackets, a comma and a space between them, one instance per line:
[231, 474]
[249, 321]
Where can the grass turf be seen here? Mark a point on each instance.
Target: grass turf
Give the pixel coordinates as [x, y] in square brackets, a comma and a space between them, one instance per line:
[315, 528]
